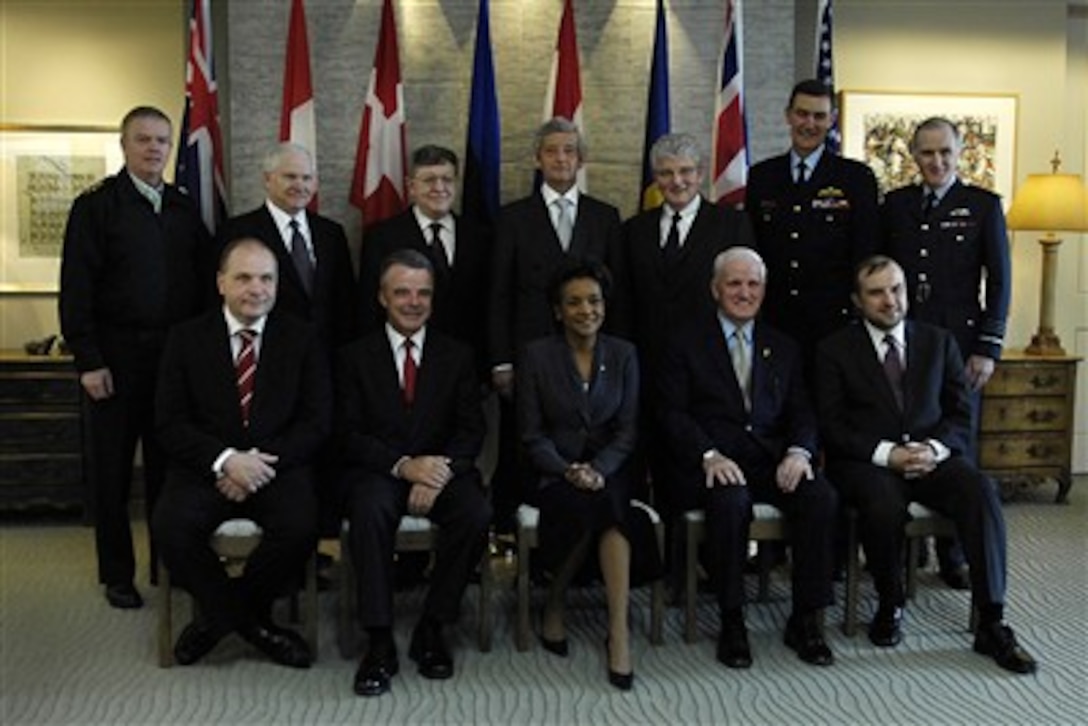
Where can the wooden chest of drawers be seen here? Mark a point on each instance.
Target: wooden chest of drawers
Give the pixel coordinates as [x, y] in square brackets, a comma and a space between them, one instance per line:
[1026, 432]
[41, 461]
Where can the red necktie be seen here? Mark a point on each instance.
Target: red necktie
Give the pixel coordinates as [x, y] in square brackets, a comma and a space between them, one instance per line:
[245, 368]
[410, 370]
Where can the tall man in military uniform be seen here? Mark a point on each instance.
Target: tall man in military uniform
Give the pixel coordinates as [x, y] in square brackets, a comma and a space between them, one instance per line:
[951, 241]
[137, 259]
[814, 214]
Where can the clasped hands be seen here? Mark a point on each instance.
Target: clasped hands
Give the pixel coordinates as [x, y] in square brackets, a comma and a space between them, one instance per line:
[244, 472]
[913, 459]
[720, 470]
[584, 476]
[428, 475]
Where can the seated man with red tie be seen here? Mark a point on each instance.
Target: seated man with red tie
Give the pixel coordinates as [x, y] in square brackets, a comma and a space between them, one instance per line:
[243, 405]
[411, 427]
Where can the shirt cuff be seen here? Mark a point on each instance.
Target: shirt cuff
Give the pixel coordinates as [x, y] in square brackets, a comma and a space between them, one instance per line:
[502, 368]
[882, 453]
[395, 471]
[800, 450]
[940, 451]
[217, 465]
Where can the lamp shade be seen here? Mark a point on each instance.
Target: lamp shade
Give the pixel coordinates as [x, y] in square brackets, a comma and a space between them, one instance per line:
[1050, 203]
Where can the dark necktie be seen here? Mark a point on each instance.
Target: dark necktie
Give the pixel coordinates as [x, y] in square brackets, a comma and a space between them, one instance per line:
[671, 250]
[408, 385]
[438, 253]
[245, 370]
[301, 257]
[893, 369]
[802, 171]
[929, 204]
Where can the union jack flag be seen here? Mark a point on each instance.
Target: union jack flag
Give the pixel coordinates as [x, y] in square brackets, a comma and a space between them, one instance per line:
[730, 169]
[199, 169]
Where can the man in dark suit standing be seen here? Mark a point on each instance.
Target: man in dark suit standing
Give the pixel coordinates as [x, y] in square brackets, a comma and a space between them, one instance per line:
[535, 236]
[815, 218]
[660, 268]
[951, 240]
[733, 402]
[243, 405]
[316, 281]
[411, 427]
[894, 411]
[136, 260]
[459, 251]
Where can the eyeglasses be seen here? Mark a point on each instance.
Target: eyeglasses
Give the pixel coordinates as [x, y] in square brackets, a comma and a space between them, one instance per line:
[434, 180]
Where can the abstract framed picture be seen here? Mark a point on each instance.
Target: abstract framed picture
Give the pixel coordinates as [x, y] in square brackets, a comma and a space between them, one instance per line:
[42, 169]
[877, 127]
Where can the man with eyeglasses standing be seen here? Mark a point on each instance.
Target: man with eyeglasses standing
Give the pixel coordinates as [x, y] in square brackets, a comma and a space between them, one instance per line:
[459, 251]
[660, 268]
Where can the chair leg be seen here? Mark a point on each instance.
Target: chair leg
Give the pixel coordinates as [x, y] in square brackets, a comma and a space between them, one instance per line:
[763, 560]
[345, 630]
[657, 592]
[522, 633]
[486, 586]
[691, 561]
[853, 575]
[166, 620]
[310, 609]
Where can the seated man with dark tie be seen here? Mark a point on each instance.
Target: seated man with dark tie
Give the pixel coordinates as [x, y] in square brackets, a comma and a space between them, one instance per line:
[411, 428]
[243, 405]
[734, 405]
[896, 419]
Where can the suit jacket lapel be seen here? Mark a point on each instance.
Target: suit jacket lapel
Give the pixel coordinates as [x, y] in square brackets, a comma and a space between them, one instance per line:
[288, 273]
[718, 352]
[872, 369]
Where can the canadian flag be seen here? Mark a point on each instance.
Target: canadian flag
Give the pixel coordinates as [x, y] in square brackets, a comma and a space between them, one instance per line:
[297, 114]
[377, 186]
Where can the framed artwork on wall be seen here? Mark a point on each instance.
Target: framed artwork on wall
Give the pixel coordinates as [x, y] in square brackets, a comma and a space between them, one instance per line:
[877, 127]
[42, 169]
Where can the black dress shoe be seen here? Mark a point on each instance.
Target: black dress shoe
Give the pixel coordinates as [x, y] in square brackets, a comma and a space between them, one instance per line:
[998, 641]
[733, 650]
[283, 646]
[376, 670]
[886, 629]
[622, 681]
[559, 647]
[804, 635]
[429, 650]
[196, 641]
[957, 578]
[124, 596]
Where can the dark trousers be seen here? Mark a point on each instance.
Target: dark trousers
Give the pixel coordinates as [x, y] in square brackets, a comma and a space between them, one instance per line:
[189, 511]
[955, 489]
[375, 505]
[507, 489]
[810, 511]
[114, 427]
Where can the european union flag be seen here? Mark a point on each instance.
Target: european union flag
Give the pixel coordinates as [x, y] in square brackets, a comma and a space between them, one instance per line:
[480, 196]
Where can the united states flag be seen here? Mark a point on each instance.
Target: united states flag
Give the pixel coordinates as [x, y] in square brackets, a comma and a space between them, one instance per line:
[825, 71]
[297, 123]
[377, 186]
[730, 170]
[199, 169]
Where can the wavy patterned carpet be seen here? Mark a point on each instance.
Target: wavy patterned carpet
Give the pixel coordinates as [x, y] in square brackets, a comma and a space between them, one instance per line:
[67, 658]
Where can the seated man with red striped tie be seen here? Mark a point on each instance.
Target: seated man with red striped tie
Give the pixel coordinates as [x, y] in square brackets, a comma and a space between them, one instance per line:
[411, 427]
[243, 405]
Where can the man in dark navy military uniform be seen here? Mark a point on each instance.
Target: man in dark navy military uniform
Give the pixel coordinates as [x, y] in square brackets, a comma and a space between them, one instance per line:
[815, 217]
[951, 241]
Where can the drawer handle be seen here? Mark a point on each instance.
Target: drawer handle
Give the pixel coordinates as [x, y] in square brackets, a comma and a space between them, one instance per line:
[1043, 416]
[1038, 451]
[1048, 381]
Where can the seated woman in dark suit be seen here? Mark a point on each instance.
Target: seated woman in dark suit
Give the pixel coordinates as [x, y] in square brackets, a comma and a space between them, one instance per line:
[577, 402]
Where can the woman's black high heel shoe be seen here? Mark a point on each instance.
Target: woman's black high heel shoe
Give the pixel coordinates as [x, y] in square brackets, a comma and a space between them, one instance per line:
[558, 647]
[622, 681]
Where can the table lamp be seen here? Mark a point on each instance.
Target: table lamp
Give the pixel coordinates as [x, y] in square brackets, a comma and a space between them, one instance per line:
[1049, 203]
